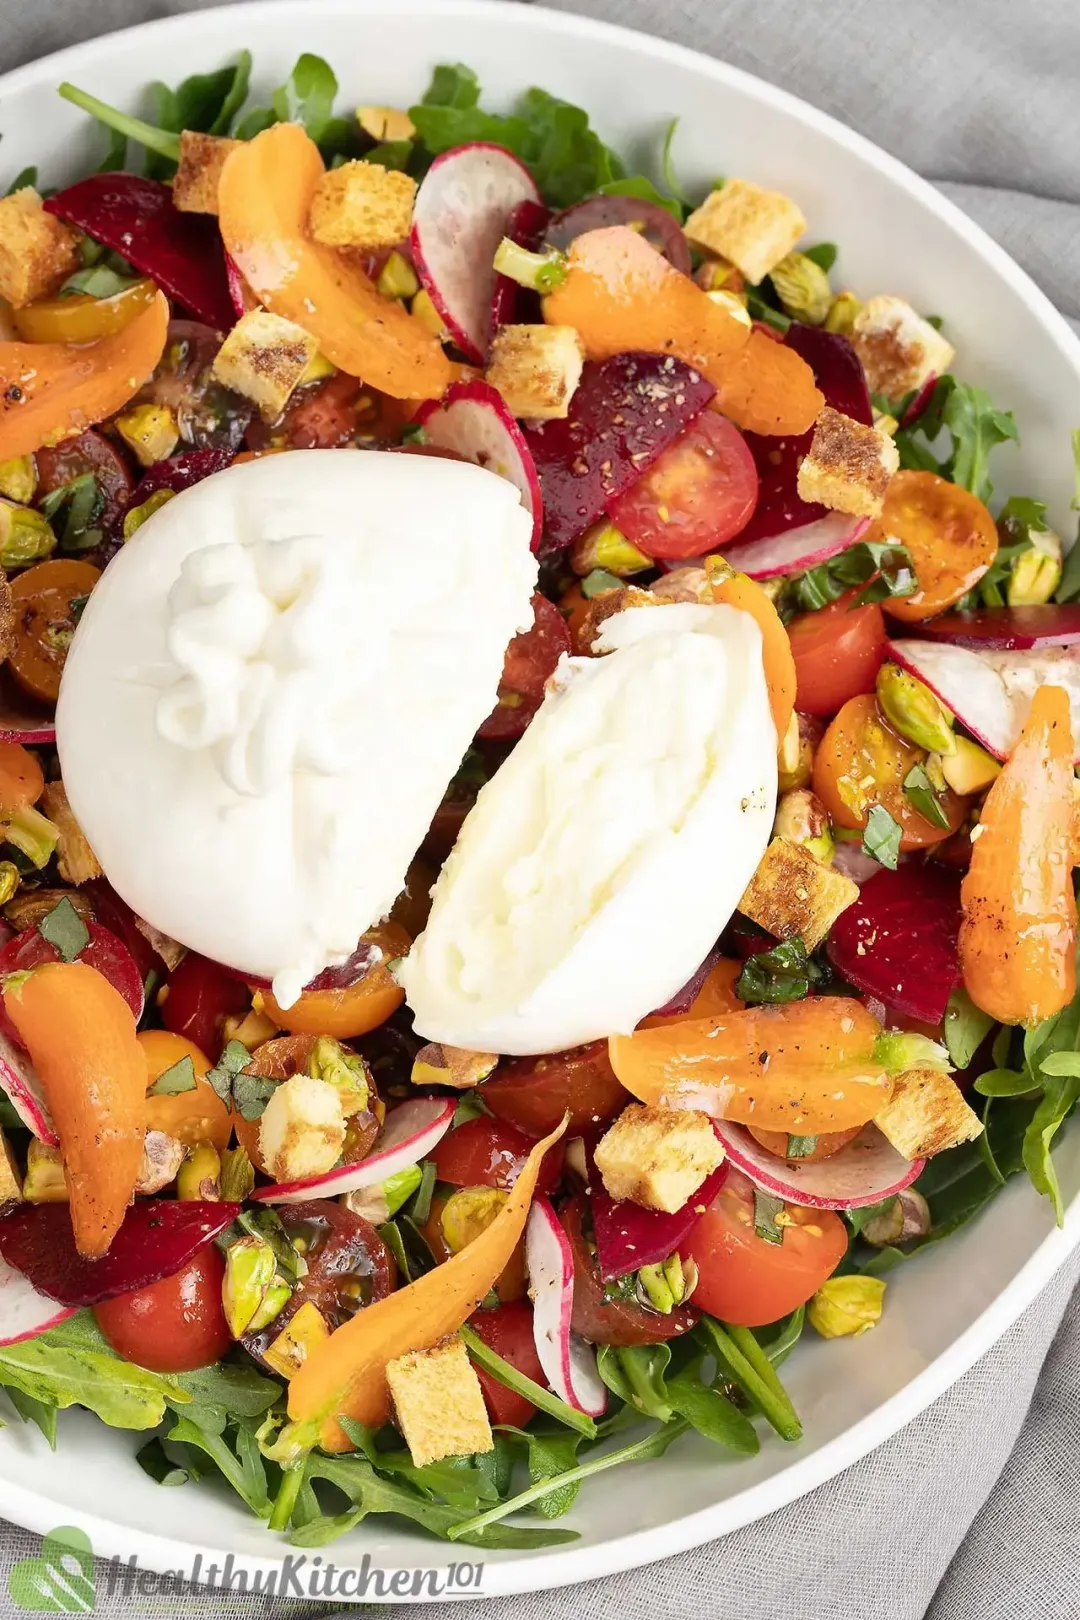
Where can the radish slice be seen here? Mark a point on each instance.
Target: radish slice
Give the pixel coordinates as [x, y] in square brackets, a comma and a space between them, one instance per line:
[867, 1170]
[797, 549]
[21, 719]
[569, 1363]
[20, 1084]
[990, 691]
[409, 1134]
[24, 1313]
[461, 215]
[472, 420]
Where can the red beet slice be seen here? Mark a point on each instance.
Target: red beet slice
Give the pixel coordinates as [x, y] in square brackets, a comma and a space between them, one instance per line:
[511, 302]
[628, 1236]
[136, 218]
[1006, 629]
[898, 940]
[180, 472]
[839, 374]
[655, 224]
[919, 403]
[530, 661]
[684, 999]
[625, 412]
[156, 1238]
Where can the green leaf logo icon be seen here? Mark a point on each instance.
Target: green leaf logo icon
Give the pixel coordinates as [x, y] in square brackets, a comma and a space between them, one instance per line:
[61, 1580]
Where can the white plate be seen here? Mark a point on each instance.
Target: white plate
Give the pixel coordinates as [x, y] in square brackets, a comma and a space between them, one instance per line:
[896, 235]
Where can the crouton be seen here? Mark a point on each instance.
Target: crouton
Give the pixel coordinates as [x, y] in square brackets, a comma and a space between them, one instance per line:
[793, 893]
[264, 358]
[899, 350]
[747, 225]
[437, 1064]
[657, 1157]
[536, 369]
[37, 251]
[848, 465]
[202, 158]
[76, 861]
[926, 1114]
[302, 1129]
[438, 1403]
[604, 606]
[386, 123]
[362, 205]
[10, 1183]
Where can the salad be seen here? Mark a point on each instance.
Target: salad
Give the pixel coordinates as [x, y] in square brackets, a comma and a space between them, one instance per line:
[537, 787]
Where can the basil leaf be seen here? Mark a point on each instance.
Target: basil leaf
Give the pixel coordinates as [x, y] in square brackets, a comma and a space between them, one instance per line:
[180, 1077]
[822, 253]
[766, 1209]
[251, 1093]
[784, 973]
[232, 1061]
[977, 426]
[965, 1028]
[919, 789]
[65, 931]
[881, 839]
[801, 1147]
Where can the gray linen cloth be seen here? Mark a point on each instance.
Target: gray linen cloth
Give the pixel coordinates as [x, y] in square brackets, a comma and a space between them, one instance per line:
[970, 1513]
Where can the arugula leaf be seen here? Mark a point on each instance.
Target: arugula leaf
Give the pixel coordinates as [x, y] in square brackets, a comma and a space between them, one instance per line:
[638, 186]
[884, 567]
[1059, 1099]
[453, 85]
[31, 1410]
[1005, 1083]
[823, 254]
[155, 1461]
[550, 1453]
[710, 1412]
[780, 1338]
[205, 102]
[72, 1364]
[494, 1364]
[784, 973]
[25, 177]
[635, 1373]
[243, 1466]
[881, 839]
[965, 1028]
[180, 1077]
[919, 789]
[239, 1388]
[667, 169]
[391, 154]
[307, 97]
[65, 931]
[977, 426]
[743, 1360]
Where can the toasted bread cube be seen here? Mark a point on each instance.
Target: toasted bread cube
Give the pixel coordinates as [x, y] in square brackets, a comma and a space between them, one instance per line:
[362, 205]
[438, 1403]
[386, 123]
[37, 251]
[899, 350]
[848, 465]
[793, 893]
[926, 1114]
[263, 358]
[76, 860]
[747, 225]
[302, 1129]
[202, 158]
[536, 369]
[658, 1157]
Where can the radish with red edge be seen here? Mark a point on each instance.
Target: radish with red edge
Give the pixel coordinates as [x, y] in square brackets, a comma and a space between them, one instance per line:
[510, 301]
[411, 1131]
[990, 691]
[866, 1171]
[794, 550]
[629, 1236]
[919, 403]
[20, 1084]
[21, 719]
[1008, 629]
[897, 941]
[460, 216]
[569, 1362]
[472, 420]
[24, 1312]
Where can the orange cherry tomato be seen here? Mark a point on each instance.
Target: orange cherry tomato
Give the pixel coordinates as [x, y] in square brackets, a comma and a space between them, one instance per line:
[190, 1116]
[862, 762]
[534, 1093]
[838, 651]
[1018, 933]
[175, 1324]
[51, 390]
[949, 534]
[739, 591]
[343, 1008]
[45, 622]
[21, 779]
[716, 996]
[827, 1144]
[82, 319]
[510, 1284]
[743, 1278]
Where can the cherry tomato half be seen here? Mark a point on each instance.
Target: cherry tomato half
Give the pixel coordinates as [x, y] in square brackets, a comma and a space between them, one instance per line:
[611, 1320]
[194, 1116]
[173, 1325]
[202, 994]
[950, 537]
[508, 1330]
[838, 651]
[698, 494]
[534, 1093]
[746, 1279]
[353, 998]
[486, 1153]
[109, 955]
[530, 659]
[44, 598]
[862, 762]
[90, 453]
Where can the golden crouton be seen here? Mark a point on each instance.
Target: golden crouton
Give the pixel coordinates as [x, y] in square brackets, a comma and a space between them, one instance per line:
[37, 251]
[752, 228]
[438, 1403]
[793, 893]
[362, 205]
[202, 158]
[926, 1114]
[899, 350]
[848, 465]
[536, 369]
[658, 1157]
[386, 123]
[76, 861]
[263, 358]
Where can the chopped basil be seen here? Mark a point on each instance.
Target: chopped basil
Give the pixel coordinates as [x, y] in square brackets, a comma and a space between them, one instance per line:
[881, 840]
[82, 502]
[784, 973]
[801, 1147]
[178, 1078]
[251, 1093]
[64, 930]
[232, 1061]
[920, 791]
[823, 254]
[600, 580]
[766, 1209]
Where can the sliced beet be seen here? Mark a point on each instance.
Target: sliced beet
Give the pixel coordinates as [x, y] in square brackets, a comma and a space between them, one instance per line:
[655, 224]
[136, 218]
[180, 472]
[629, 1236]
[511, 302]
[625, 412]
[898, 940]
[684, 999]
[155, 1239]
[530, 661]
[1008, 629]
[919, 403]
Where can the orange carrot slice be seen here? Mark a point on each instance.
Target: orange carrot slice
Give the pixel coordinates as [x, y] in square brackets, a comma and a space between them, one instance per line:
[765, 388]
[345, 1376]
[22, 781]
[739, 591]
[1018, 934]
[805, 1067]
[81, 1035]
[264, 199]
[716, 996]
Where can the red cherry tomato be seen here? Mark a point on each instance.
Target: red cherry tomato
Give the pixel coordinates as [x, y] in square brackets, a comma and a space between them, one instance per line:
[117, 916]
[608, 1319]
[508, 1330]
[173, 1325]
[838, 651]
[89, 453]
[745, 1279]
[486, 1153]
[534, 1093]
[530, 659]
[202, 994]
[109, 955]
[699, 493]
